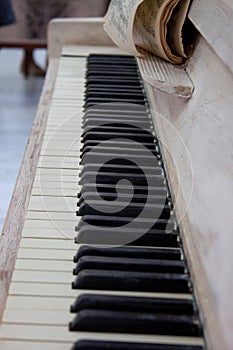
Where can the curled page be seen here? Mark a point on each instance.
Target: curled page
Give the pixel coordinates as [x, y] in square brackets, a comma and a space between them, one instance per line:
[152, 25]
[119, 21]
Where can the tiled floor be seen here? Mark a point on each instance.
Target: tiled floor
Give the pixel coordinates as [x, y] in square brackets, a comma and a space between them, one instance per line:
[18, 100]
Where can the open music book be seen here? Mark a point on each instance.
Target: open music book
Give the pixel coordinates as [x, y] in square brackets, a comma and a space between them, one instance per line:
[157, 26]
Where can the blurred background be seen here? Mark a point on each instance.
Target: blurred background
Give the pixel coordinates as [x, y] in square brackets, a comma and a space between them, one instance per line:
[23, 60]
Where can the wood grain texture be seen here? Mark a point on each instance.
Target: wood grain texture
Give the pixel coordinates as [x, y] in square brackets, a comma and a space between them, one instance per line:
[213, 19]
[200, 130]
[76, 31]
[11, 234]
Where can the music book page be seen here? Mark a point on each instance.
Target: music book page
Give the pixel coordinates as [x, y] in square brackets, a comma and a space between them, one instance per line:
[153, 25]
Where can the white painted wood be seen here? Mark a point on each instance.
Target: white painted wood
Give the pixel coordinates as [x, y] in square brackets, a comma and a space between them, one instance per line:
[165, 76]
[213, 19]
[203, 206]
[82, 31]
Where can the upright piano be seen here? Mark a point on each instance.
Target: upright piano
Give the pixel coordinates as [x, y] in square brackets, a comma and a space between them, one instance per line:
[118, 234]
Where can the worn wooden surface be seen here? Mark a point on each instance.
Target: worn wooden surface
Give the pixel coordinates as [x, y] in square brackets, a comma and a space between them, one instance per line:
[198, 135]
[76, 31]
[11, 234]
[213, 18]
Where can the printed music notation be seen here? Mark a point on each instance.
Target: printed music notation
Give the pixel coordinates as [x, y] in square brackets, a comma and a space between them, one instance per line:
[156, 26]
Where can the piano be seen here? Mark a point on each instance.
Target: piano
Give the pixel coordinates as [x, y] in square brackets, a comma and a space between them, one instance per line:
[118, 231]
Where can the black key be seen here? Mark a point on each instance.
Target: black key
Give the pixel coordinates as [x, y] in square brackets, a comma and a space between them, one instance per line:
[111, 94]
[109, 345]
[98, 100]
[117, 81]
[128, 264]
[131, 281]
[111, 188]
[114, 221]
[116, 111]
[97, 88]
[122, 209]
[117, 151]
[89, 196]
[115, 142]
[102, 136]
[133, 322]
[117, 127]
[130, 252]
[128, 168]
[165, 306]
[110, 236]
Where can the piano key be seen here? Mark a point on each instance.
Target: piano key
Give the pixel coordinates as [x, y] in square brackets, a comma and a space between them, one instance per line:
[49, 233]
[48, 203]
[26, 302]
[54, 192]
[28, 345]
[105, 345]
[37, 317]
[62, 225]
[43, 265]
[133, 303]
[63, 277]
[114, 221]
[133, 322]
[60, 333]
[45, 254]
[131, 281]
[128, 264]
[111, 188]
[47, 244]
[117, 142]
[146, 253]
[102, 136]
[121, 209]
[51, 216]
[55, 290]
[139, 198]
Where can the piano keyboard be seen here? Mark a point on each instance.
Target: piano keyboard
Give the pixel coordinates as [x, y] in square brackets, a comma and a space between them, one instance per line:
[120, 281]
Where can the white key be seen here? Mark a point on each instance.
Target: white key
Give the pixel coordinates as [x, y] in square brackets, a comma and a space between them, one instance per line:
[44, 265]
[53, 204]
[28, 345]
[43, 317]
[67, 244]
[43, 277]
[59, 333]
[46, 254]
[38, 303]
[41, 215]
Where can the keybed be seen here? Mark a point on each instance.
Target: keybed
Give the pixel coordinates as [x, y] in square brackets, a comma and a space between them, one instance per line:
[37, 309]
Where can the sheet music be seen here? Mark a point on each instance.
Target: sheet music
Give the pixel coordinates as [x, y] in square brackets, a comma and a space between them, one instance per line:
[119, 22]
[153, 25]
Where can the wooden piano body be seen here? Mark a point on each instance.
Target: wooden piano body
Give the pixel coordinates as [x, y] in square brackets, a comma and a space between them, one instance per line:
[204, 164]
